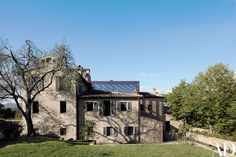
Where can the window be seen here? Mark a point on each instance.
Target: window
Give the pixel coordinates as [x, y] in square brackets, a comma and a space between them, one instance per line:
[107, 108]
[110, 131]
[48, 60]
[62, 131]
[91, 106]
[124, 106]
[35, 107]
[63, 83]
[167, 126]
[31, 80]
[142, 108]
[150, 108]
[62, 106]
[129, 130]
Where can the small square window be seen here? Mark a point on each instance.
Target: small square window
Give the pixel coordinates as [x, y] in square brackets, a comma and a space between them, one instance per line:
[123, 106]
[129, 130]
[89, 106]
[142, 108]
[109, 131]
[35, 107]
[149, 107]
[48, 60]
[62, 131]
[62, 106]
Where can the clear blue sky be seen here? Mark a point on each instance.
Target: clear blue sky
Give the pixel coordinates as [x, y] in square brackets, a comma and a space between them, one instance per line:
[158, 42]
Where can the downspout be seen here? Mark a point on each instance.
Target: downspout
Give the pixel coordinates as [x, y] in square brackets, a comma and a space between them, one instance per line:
[139, 122]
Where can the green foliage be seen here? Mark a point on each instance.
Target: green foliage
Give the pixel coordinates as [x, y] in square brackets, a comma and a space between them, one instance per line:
[7, 113]
[183, 134]
[87, 131]
[209, 101]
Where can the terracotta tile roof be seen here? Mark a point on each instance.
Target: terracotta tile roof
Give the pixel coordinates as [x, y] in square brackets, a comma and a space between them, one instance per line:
[150, 95]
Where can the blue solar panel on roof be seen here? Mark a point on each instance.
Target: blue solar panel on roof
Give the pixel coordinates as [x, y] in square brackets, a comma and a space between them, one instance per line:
[116, 86]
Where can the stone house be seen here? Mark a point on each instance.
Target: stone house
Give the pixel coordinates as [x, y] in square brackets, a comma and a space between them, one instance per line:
[117, 110]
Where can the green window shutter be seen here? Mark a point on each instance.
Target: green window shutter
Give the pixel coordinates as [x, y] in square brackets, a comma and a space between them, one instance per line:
[129, 106]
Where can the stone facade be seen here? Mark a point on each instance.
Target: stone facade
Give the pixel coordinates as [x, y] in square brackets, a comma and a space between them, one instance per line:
[119, 120]
[116, 117]
[147, 124]
[49, 118]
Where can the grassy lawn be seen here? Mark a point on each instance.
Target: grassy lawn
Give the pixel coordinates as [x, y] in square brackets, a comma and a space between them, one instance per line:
[59, 148]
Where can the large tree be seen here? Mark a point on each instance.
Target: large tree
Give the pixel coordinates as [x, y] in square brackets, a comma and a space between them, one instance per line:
[22, 74]
[209, 101]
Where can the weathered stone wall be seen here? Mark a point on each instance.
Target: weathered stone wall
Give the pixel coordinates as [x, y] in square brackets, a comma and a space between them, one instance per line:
[157, 107]
[151, 130]
[120, 120]
[49, 120]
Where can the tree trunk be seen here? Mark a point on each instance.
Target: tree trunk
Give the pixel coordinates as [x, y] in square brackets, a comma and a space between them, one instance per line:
[29, 123]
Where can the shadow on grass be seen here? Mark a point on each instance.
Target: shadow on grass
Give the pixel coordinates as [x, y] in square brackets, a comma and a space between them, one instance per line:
[25, 140]
[39, 139]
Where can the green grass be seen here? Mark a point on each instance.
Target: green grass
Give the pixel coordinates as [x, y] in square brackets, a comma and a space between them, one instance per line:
[63, 149]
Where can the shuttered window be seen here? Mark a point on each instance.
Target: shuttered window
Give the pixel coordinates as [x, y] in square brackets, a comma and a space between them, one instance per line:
[107, 108]
[91, 106]
[110, 131]
[129, 130]
[63, 84]
[124, 106]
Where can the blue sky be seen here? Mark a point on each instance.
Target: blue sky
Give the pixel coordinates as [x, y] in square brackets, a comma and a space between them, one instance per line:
[158, 42]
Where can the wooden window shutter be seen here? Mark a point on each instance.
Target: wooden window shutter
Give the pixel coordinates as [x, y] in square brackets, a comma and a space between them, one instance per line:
[85, 107]
[57, 83]
[105, 131]
[129, 106]
[113, 108]
[68, 84]
[118, 106]
[115, 131]
[126, 130]
[136, 130]
[95, 106]
[101, 109]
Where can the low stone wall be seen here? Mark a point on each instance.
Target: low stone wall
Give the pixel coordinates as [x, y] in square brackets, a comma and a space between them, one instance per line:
[211, 141]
